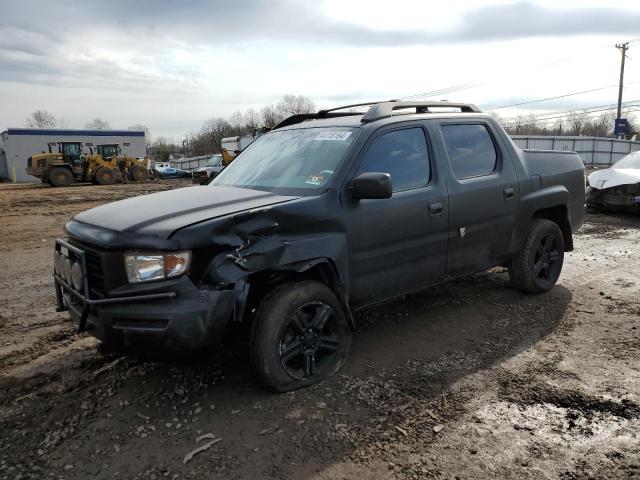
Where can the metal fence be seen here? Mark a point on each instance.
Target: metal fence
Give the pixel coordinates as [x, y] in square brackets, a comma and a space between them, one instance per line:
[190, 163]
[592, 150]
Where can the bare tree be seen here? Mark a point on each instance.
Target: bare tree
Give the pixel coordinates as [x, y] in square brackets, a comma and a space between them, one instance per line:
[98, 124]
[236, 121]
[42, 119]
[577, 122]
[210, 136]
[632, 123]
[531, 124]
[599, 126]
[287, 106]
[145, 129]
[162, 148]
[295, 104]
[251, 120]
[271, 116]
[518, 125]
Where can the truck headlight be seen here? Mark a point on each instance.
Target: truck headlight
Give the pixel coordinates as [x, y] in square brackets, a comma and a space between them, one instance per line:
[146, 267]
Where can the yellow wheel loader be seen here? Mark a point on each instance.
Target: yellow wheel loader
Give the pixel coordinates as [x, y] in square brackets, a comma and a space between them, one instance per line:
[60, 168]
[69, 164]
[130, 168]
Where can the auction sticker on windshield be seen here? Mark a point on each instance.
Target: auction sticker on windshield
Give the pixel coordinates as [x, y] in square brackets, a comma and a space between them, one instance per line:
[337, 136]
[315, 179]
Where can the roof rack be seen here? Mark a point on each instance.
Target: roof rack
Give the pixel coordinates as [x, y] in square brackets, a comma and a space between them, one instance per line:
[385, 109]
[325, 113]
[378, 111]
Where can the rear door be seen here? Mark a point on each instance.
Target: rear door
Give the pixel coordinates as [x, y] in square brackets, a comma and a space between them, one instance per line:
[483, 196]
[397, 245]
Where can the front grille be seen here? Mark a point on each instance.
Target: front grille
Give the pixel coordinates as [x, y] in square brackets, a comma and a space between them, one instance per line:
[95, 261]
[95, 273]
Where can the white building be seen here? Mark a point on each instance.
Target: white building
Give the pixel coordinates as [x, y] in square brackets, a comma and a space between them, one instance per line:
[18, 144]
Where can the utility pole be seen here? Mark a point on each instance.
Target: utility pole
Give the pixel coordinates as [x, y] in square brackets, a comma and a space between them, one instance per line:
[623, 47]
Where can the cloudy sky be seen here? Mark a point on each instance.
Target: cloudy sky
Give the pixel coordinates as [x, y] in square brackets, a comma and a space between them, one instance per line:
[171, 65]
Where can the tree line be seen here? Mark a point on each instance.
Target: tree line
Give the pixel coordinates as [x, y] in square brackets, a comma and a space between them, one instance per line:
[573, 124]
[207, 139]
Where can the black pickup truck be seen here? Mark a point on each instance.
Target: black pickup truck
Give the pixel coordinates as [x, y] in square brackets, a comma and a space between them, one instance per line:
[326, 214]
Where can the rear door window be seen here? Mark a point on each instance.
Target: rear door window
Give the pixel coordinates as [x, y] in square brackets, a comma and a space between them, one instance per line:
[403, 154]
[471, 150]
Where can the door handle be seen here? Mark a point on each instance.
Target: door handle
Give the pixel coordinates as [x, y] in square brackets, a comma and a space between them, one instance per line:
[508, 192]
[435, 208]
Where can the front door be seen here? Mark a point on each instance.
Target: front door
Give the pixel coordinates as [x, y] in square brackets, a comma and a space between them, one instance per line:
[399, 244]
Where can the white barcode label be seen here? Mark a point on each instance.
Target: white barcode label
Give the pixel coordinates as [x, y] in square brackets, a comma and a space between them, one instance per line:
[336, 136]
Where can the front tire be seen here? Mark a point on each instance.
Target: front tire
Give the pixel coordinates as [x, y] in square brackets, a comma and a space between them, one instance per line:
[300, 336]
[105, 176]
[139, 173]
[537, 266]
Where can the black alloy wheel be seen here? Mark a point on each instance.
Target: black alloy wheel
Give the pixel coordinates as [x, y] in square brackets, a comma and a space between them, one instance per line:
[548, 258]
[310, 341]
[537, 266]
[300, 335]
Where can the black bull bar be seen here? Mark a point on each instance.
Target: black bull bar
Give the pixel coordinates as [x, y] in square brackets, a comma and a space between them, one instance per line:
[84, 296]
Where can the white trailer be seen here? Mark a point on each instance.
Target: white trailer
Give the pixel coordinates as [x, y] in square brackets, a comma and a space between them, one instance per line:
[234, 145]
[18, 144]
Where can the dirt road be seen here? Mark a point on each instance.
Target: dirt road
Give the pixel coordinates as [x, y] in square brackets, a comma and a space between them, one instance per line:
[471, 380]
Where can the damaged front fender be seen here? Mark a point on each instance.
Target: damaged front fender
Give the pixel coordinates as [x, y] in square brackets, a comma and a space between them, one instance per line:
[286, 237]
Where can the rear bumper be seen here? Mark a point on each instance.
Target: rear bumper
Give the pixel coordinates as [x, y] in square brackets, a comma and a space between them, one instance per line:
[173, 314]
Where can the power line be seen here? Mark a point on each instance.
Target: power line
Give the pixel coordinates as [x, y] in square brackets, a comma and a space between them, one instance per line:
[545, 121]
[562, 117]
[433, 93]
[552, 98]
[549, 123]
[592, 109]
[571, 112]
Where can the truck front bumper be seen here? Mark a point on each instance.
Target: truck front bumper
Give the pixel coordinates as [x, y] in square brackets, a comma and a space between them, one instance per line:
[201, 178]
[174, 314]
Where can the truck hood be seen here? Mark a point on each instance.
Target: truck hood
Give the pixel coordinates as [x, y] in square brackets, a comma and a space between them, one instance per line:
[161, 214]
[614, 177]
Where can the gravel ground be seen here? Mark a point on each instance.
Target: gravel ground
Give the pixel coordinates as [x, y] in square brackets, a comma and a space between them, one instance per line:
[470, 380]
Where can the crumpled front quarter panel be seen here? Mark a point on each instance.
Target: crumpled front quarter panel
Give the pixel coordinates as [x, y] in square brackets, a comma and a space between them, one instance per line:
[270, 237]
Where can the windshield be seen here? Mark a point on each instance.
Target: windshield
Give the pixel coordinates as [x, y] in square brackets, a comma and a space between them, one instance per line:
[302, 159]
[214, 161]
[630, 161]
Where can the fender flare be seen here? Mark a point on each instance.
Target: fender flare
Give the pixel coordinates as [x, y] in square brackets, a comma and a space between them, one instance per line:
[331, 278]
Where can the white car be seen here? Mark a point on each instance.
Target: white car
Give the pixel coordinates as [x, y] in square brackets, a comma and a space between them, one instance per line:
[616, 188]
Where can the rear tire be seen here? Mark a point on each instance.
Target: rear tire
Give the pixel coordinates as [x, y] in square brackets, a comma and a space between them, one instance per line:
[60, 177]
[300, 336]
[139, 173]
[536, 268]
[105, 176]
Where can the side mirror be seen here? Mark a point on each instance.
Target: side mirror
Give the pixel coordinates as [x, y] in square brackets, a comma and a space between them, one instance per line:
[371, 185]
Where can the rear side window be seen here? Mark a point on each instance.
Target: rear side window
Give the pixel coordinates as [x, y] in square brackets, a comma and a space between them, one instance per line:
[403, 154]
[471, 150]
